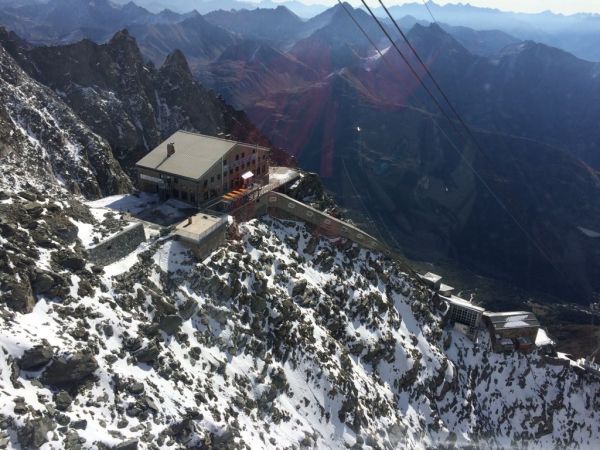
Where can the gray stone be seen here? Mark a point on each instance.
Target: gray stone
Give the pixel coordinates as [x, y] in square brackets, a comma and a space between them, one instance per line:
[299, 288]
[19, 297]
[42, 283]
[79, 424]
[33, 209]
[170, 324]
[188, 309]
[72, 441]
[36, 357]
[131, 444]
[148, 353]
[70, 260]
[136, 388]
[34, 432]
[64, 371]
[63, 400]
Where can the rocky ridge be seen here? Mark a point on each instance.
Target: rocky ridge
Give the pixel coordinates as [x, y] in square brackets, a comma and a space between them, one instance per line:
[280, 338]
[43, 141]
[102, 82]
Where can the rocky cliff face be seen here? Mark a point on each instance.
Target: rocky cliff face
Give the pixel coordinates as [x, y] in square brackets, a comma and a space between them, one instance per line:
[43, 142]
[126, 100]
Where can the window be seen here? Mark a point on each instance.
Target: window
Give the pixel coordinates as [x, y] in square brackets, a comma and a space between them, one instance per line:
[237, 169]
[231, 172]
[243, 154]
[176, 180]
[253, 150]
[212, 179]
[237, 157]
[205, 183]
[218, 176]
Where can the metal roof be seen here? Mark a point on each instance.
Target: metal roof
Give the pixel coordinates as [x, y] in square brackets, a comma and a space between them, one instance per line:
[512, 319]
[462, 303]
[194, 154]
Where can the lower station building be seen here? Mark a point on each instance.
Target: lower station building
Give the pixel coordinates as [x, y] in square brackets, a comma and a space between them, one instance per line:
[512, 330]
[196, 168]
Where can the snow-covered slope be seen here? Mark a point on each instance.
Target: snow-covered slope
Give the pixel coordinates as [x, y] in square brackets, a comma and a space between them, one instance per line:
[278, 340]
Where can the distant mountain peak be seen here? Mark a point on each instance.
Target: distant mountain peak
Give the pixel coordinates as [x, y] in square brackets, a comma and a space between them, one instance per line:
[177, 61]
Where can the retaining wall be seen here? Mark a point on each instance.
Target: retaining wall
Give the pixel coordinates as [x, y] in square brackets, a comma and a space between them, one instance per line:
[117, 246]
[324, 223]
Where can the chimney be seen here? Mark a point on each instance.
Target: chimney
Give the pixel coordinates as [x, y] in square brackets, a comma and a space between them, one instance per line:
[170, 149]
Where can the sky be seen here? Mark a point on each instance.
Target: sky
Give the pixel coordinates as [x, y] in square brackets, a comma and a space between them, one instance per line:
[530, 6]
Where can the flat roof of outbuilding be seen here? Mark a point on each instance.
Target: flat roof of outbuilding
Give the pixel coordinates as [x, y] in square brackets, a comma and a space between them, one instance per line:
[512, 319]
[194, 154]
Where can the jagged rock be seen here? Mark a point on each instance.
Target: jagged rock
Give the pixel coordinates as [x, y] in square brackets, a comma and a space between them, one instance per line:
[20, 407]
[258, 304]
[36, 357]
[68, 370]
[62, 401]
[148, 353]
[299, 288]
[170, 324]
[136, 388]
[33, 209]
[69, 260]
[79, 424]
[19, 296]
[131, 444]
[34, 432]
[188, 309]
[72, 441]
[42, 282]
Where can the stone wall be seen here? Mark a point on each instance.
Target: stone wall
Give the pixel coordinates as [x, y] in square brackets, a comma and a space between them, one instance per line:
[324, 223]
[117, 246]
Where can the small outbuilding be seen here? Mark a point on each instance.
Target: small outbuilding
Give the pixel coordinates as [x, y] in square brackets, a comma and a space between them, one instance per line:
[512, 330]
[432, 280]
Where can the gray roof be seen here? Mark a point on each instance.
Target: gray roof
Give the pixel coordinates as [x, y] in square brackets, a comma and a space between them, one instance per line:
[513, 319]
[194, 154]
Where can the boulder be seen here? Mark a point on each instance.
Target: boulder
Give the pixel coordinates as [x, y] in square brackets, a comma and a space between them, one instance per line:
[299, 288]
[34, 433]
[148, 353]
[19, 296]
[42, 282]
[36, 357]
[63, 400]
[131, 444]
[69, 260]
[33, 209]
[68, 370]
[188, 309]
[170, 323]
